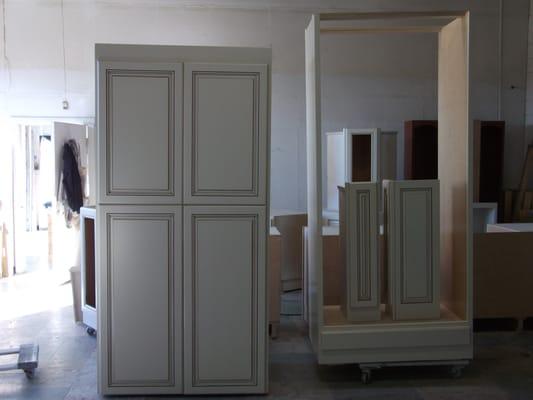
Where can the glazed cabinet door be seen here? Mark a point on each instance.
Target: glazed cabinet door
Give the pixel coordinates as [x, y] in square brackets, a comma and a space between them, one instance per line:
[358, 220]
[139, 132]
[140, 306]
[225, 134]
[225, 300]
[412, 229]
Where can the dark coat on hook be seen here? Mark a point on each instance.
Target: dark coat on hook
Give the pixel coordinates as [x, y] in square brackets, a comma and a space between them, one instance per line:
[72, 179]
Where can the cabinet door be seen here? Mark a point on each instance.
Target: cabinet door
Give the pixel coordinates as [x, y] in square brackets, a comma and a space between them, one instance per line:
[224, 295]
[225, 134]
[358, 217]
[139, 132]
[139, 303]
[413, 239]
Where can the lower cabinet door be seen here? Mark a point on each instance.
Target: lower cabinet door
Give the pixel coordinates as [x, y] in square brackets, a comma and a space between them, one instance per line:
[412, 229]
[225, 300]
[139, 300]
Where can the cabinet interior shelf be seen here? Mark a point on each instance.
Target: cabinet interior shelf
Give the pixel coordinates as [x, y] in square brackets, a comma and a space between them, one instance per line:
[333, 316]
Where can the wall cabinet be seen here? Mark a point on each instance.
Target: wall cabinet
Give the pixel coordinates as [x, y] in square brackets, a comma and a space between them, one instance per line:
[489, 144]
[412, 231]
[182, 211]
[353, 155]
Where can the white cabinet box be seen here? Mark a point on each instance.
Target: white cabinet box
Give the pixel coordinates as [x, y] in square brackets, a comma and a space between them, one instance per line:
[182, 211]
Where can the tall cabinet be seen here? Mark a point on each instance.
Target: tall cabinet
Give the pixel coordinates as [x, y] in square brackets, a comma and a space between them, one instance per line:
[182, 208]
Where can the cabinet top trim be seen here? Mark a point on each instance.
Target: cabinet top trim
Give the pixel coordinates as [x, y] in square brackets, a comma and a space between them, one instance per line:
[162, 53]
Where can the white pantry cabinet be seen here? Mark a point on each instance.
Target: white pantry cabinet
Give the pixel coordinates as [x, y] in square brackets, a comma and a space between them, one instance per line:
[412, 231]
[183, 143]
[358, 218]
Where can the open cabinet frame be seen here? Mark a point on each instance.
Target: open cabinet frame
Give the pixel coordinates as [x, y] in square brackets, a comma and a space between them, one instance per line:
[444, 340]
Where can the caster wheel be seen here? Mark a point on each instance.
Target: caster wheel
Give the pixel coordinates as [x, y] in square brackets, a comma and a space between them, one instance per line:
[456, 371]
[91, 332]
[366, 377]
[30, 373]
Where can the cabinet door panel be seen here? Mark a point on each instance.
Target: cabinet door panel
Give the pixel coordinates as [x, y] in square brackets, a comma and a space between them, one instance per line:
[412, 219]
[140, 138]
[224, 292]
[140, 313]
[225, 134]
[358, 217]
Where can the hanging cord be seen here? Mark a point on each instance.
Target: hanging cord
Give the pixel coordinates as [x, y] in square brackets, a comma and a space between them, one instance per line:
[64, 52]
[6, 59]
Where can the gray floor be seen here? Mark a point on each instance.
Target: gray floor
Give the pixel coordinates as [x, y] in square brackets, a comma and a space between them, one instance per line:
[503, 368]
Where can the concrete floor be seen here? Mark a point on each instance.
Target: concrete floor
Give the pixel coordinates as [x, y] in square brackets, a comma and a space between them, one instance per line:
[502, 369]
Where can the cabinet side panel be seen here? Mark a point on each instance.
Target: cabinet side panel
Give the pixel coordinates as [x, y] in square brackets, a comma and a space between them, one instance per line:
[314, 177]
[455, 166]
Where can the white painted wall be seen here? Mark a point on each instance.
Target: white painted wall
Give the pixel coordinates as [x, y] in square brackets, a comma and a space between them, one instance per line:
[398, 88]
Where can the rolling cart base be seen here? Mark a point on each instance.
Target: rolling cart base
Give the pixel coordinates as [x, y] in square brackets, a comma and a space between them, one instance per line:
[456, 366]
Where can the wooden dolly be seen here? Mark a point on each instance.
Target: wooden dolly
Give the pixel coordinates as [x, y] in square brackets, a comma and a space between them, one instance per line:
[28, 359]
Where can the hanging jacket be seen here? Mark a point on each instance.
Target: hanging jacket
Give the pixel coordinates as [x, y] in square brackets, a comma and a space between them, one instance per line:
[71, 178]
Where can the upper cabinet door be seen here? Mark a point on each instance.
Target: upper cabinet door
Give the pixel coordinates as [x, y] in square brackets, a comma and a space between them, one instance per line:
[225, 134]
[139, 132]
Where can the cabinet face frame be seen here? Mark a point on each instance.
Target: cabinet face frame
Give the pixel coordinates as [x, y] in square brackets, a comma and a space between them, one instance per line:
[193, 383]
[106, 216]
[172, 193]
[256, 193]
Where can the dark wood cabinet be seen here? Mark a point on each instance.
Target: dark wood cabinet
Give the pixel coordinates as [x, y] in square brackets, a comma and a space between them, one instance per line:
[421, 149]
[489, 141]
